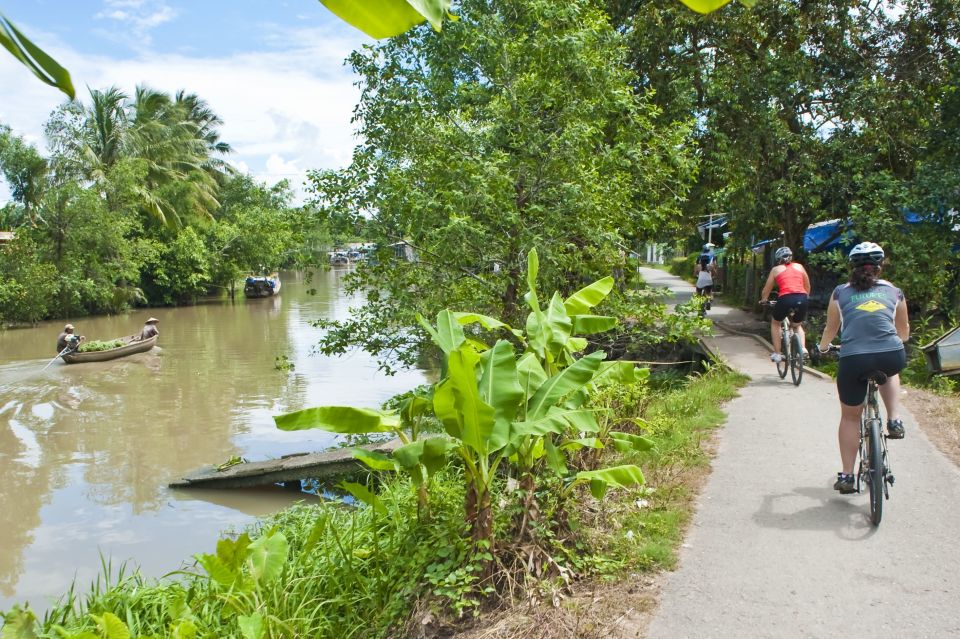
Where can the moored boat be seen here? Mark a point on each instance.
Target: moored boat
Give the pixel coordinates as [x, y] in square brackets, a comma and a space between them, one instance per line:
[263, 286]
[130, 346]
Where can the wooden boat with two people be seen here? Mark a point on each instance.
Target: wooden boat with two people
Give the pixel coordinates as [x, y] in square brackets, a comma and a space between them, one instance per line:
[263, 286]
[123, 346]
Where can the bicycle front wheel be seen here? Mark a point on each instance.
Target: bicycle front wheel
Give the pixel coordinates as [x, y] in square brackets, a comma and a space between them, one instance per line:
[784, 365]
[874, 470]
[796, 359]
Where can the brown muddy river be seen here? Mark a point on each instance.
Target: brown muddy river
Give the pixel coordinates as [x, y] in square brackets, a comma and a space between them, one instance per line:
[87, 450]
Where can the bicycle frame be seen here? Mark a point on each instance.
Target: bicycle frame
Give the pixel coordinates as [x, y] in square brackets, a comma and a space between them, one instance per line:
[871, 425]
[791, 360]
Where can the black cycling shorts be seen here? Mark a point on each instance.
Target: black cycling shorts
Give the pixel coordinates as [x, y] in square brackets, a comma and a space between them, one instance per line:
[786, 302]
[853, 369]
[706, 290]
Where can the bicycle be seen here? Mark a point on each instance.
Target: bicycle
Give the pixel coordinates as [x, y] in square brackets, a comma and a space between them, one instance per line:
[792, 357]
[874, 468]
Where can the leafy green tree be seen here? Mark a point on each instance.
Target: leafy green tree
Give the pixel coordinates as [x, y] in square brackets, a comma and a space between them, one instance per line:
[176, 270]
[25, 171]
[516, 126]
[253, 231]
[28, 285]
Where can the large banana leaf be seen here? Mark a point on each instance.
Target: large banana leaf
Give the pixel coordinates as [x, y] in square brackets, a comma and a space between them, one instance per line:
[373, 459]
[621, 371]
[591, 324]
[448, 334]
[706, 6]
[556, 421]
[387, 18]
[34, 58]
[616, 476]
[589, 296]
[558, 325]
[431, 453]
[563, 383]
[530, 373]
[413, 407]
[489, 323]
[500, 388]
[339, 419]
[625, 442]
[364, 494]
[461, 410]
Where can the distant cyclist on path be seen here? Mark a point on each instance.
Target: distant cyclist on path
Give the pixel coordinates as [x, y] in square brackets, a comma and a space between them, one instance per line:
[873, 314]
[793, 290]
[705, 270]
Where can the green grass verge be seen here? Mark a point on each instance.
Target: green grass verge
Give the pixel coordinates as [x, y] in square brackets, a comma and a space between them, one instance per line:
[641, 531]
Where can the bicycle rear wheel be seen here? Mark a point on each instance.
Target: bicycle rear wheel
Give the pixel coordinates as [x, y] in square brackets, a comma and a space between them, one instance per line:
[783, 365]
[796, 359]
[874, 469]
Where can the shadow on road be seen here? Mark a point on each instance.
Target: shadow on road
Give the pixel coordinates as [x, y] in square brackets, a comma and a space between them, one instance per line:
[848, 517]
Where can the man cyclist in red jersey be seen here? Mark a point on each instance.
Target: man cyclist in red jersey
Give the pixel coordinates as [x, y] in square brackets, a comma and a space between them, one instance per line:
[793, 289]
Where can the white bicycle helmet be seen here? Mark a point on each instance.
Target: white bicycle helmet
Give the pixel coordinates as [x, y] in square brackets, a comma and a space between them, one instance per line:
[783, 254]
[866, 253]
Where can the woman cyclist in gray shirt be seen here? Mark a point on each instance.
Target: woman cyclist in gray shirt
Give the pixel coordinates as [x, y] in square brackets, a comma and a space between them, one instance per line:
[873, 315]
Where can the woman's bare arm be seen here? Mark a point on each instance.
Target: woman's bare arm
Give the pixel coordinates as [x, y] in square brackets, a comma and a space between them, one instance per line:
[902, 321]
[833, 325]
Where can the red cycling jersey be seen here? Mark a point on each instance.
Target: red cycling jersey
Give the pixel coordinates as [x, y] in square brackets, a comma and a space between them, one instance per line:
[790, 280]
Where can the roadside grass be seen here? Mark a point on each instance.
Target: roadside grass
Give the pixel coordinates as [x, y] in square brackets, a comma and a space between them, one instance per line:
[649, 524]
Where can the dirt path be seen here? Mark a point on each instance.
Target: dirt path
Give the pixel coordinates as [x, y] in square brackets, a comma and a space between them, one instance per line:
[773, 551]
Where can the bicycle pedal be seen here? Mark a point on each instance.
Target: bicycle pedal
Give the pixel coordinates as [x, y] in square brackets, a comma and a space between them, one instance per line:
[891, 479]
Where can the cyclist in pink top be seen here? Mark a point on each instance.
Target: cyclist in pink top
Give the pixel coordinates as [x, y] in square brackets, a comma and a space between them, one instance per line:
[793, 289]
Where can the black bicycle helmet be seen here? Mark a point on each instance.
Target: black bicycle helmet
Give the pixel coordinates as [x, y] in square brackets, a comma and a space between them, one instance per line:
[866, 253]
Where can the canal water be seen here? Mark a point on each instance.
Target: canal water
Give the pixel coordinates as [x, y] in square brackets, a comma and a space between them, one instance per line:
[87, 450]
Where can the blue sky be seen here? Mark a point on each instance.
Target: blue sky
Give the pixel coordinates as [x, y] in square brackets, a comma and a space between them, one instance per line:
[272, 70]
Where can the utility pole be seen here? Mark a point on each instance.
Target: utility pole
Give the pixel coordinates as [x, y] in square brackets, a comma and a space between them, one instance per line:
[709, 227]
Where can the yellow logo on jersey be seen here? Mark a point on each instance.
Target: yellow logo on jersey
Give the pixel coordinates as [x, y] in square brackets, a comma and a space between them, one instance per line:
[871, 306]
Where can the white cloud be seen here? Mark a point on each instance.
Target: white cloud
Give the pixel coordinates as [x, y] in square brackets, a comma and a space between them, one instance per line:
[284, 111]
[138, 18]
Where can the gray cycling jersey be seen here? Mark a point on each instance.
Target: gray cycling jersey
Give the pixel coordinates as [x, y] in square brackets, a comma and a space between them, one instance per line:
[866, 318]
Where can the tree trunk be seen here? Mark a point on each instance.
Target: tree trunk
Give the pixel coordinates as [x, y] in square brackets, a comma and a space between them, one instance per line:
[480, 518]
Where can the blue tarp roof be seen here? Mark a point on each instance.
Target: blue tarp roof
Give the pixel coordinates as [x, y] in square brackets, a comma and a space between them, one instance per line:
[824, 236]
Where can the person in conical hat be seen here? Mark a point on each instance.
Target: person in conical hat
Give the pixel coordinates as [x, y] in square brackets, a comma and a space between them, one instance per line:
[149, 329]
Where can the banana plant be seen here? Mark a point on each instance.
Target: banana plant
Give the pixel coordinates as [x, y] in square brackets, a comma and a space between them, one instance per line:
[499, 406]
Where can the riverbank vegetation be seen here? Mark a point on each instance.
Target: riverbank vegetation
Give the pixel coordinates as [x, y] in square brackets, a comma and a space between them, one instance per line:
[135, 205]
[387, 569]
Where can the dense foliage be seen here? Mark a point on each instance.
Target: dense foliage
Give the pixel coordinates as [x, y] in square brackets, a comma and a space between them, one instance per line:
[810, 111]
[134, 205]
[517, 126]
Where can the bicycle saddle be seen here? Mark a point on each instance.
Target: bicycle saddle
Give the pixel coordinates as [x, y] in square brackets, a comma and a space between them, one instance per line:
[878, 376]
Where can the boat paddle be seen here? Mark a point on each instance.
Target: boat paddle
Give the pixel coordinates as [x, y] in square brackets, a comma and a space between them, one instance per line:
[55, 358]
[73, 344]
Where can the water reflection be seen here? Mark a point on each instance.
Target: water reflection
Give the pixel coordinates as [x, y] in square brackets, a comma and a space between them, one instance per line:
[86, 450]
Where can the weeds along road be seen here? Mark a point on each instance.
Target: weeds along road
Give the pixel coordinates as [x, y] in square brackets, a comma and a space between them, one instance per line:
[774, 551]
